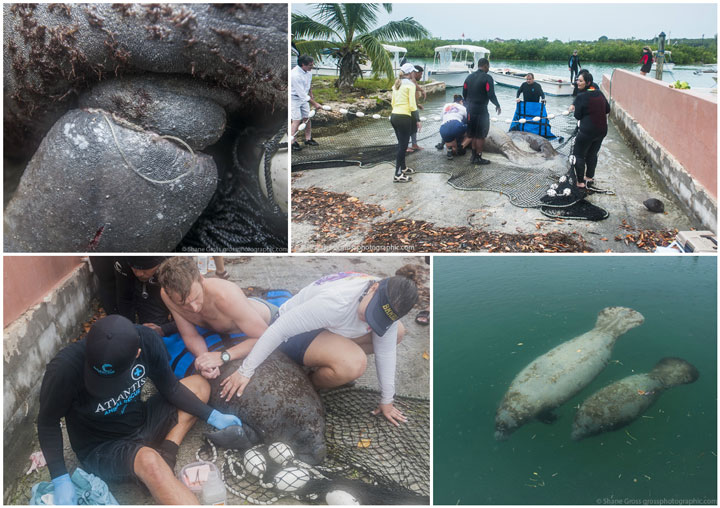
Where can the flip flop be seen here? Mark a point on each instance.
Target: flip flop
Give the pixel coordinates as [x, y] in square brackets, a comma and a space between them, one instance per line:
[423, 317]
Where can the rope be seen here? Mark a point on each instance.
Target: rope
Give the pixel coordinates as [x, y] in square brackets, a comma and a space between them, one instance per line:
[136, 171]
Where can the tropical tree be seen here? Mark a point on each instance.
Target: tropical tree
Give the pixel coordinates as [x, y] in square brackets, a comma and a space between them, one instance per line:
[345, 32]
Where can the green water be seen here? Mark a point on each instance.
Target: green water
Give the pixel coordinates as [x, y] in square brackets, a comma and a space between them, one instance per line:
[484, 307]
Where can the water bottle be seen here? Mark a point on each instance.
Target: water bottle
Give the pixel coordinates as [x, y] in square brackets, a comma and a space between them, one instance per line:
[213, 491]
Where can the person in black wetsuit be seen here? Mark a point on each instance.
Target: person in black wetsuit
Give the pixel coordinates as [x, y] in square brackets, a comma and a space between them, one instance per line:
[646, 60]
[478, 90]
[531, 91]
[138, 293]
[96, 385]
[591, 109]
[574, 65]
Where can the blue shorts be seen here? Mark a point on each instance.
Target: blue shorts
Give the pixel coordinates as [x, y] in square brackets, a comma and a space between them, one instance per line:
[453, 130]
[296, 346]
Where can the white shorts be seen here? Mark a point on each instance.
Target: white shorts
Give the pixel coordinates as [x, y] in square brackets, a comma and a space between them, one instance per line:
[300, 109]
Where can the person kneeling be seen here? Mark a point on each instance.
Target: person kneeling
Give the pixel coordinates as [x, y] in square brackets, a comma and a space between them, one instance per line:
[96, 384]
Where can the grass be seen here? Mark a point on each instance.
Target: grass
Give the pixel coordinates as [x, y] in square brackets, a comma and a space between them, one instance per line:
[323, 88]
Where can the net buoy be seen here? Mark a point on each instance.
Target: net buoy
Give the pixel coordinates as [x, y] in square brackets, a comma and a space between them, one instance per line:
[291, 479]
[280, 453]
[301, 127]
[254, 463]
[494, 119]
[376, 116]
[507, 120]
[343, 111]
[327, 108]
[550, 117]
[522, 120]
[311, 114]
[536, 119]
[359, 114]
[423, 118]
[565, 113]
[340, 497]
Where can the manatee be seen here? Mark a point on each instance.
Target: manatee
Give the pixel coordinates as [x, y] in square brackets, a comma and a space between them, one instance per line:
[553, 378]
[501, 142]
[280, 404]
[620, 403]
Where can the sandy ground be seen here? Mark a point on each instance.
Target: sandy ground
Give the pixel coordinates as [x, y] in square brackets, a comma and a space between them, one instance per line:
[292, 273]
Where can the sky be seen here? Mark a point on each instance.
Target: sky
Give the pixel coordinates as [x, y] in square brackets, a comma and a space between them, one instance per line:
[563, 21]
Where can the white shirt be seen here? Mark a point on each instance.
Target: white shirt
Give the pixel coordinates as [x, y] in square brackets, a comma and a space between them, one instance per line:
[300, 82]
[454, 111]
[330, 303]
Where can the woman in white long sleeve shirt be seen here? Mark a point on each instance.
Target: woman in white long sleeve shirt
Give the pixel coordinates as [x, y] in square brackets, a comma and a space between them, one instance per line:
[330, 326]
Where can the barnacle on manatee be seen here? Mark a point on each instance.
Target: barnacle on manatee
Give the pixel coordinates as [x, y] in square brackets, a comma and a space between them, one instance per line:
[144, 127]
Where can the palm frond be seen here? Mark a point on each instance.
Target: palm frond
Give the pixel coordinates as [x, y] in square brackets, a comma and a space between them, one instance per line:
[304, 27]
[333, 15]
[381, 63]
[407, 28]
[361, 17]
[315, 49]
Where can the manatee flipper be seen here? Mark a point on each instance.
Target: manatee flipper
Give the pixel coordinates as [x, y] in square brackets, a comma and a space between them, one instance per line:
[548, 417]
[234, 437]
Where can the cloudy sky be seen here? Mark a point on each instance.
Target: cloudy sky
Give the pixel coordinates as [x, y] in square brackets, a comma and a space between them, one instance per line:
[563, 21]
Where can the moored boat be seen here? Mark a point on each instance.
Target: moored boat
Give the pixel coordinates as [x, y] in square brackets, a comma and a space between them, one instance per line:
[453, 63]
[551, 85]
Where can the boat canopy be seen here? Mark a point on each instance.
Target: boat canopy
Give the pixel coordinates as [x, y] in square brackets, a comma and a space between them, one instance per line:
[463, 47]
[394, 49]
[454, 56]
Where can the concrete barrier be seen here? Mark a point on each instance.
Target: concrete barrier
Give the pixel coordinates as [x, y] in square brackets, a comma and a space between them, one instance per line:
[675, 131]
[29, 343]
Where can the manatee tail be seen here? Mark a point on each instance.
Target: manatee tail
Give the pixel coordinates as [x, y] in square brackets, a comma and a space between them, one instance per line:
[618, 320]
[674, 371]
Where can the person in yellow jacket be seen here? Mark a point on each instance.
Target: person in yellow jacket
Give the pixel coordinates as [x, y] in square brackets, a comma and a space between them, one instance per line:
[403, 105]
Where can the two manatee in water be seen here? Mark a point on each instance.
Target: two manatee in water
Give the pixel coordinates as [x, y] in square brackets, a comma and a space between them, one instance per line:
[555, 377]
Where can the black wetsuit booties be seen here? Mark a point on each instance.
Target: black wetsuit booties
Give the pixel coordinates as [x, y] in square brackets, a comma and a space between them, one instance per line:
[574, 64]
[478, 90]
[108, 423]
[591, 108]
[143, 299]
[531, 93]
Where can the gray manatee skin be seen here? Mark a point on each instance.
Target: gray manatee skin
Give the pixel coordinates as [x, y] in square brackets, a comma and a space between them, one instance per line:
[553, 378]
[79, 192]
[622, 402]
[498, 141]
[169, 105]
[281, 404]
[53, 51]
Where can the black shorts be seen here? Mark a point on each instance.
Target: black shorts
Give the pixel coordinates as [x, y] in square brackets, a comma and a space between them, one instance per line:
[115, 460]
[478, 124]
[296, 346]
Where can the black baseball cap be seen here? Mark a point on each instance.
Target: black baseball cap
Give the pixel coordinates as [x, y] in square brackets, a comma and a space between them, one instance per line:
[145, 262]
[379, 313]
[111, 349]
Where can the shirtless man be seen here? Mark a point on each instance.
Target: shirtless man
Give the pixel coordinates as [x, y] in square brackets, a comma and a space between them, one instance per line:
[216, 304]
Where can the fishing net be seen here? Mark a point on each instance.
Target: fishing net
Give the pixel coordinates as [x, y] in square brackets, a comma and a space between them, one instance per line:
[376, 461]
[366, 142]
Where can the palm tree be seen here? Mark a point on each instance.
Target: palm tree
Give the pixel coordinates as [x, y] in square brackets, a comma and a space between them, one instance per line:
[346, 30]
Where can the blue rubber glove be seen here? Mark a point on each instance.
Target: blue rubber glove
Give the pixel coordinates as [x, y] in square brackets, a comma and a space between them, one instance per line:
[220, 421]
[64, 490]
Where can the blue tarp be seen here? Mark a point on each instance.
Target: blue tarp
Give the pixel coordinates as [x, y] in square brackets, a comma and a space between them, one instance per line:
[528, 111]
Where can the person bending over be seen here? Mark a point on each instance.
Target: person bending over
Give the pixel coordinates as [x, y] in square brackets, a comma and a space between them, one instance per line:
[96, 385]
[332, 325]
[215, 304]
[453, 127]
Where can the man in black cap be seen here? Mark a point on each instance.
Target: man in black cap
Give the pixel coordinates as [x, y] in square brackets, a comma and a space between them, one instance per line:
[96, 385]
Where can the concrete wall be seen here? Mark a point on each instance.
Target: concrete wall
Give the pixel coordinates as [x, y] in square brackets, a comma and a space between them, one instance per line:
[27, 279]
[31, 341]
[675, 131]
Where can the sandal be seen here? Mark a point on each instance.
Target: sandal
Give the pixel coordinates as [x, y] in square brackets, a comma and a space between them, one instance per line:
[401, 179]
[423, 317]
[409, 150]
[416, 147]
[408, 171]
[222, 275]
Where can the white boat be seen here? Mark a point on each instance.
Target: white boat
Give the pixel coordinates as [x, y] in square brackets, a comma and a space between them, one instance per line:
[668, 65]
[453, 63]
[328, 66]
[551, 85]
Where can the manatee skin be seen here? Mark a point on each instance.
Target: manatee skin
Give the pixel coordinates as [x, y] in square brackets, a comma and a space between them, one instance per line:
[281, 404]
[172, 106]
[622, 402]
[95, 184]
[553, 378]
[498, 141]
[52, 51]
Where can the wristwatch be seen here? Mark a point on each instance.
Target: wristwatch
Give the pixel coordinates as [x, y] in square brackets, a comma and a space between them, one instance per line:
[225, 357]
